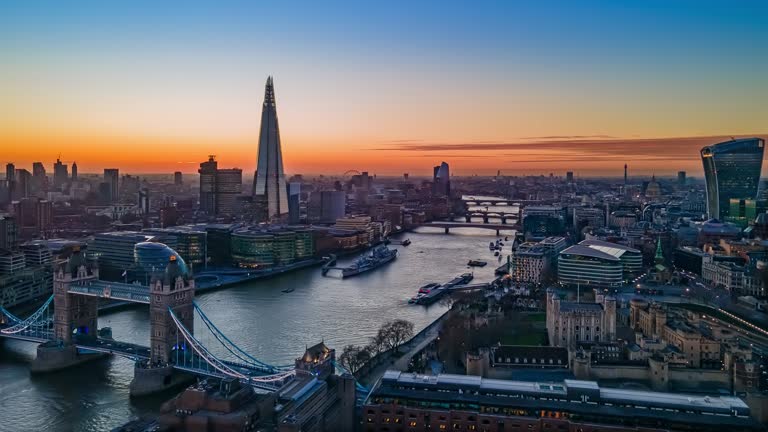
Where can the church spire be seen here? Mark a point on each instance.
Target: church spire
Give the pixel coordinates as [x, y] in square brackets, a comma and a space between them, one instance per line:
[659, 258]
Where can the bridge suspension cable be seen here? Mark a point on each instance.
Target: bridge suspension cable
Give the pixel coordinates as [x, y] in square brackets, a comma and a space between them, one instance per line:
[233, 348]
[32, 321]
[203, 352]
[222, 366]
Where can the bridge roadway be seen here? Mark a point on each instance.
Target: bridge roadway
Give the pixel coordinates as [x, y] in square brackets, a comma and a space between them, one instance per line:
[192, 364]
[112, 290]
[502, 201]
[448, 225]
[101, 345]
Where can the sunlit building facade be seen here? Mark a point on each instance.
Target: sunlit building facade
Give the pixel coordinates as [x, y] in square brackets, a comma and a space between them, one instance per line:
[732, 171]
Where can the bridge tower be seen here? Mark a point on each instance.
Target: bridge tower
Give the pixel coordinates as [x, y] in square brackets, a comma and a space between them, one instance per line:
[172, 289]
[175, 289]
[74, 319]
[74, 314]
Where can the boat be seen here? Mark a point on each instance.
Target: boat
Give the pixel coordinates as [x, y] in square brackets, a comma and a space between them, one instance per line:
[416, 299]
[476, 263]
[379, 256]
[438, 290]
[428, 287]
[288, 290]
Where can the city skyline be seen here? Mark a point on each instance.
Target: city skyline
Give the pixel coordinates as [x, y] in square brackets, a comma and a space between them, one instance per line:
[564, 87]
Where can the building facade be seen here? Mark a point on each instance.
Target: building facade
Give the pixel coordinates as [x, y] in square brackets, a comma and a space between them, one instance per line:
[731, 171]
[409, 402]
[570, 323]
[598, 263]
[269, 185]
[219, 188]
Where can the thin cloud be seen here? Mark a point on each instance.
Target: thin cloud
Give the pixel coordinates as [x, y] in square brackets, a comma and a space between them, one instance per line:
[581, 149]
[558, 137]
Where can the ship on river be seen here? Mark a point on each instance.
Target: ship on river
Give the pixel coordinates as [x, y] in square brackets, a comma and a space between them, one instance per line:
[379, 256]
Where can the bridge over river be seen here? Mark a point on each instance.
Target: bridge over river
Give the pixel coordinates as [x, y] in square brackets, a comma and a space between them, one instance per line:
[65, 327]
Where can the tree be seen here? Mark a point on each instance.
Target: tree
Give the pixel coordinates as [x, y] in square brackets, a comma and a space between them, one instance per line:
[395, 333]
[378, 343]
[353, 357]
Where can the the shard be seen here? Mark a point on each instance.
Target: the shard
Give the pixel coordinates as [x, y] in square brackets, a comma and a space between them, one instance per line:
[269, 181]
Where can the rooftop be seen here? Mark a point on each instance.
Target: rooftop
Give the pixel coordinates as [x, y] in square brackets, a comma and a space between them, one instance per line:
[568, 389]
[600, 249]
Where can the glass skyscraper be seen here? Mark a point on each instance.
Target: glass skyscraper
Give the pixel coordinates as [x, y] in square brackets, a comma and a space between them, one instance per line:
[732, 172]
[269, 181]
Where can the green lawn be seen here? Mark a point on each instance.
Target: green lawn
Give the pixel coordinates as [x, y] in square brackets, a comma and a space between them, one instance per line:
[536, 317]
[532, 338]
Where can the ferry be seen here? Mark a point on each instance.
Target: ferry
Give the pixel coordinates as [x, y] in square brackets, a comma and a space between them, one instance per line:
[379, 256]
[476, 263]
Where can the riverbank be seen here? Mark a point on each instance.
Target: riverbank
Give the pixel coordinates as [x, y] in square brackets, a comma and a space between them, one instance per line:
[374, 369]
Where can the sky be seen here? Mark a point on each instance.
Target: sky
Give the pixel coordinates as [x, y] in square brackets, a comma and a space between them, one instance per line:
[524, 87]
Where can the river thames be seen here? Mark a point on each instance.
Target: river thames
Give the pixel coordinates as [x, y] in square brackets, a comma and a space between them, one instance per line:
[258, 316]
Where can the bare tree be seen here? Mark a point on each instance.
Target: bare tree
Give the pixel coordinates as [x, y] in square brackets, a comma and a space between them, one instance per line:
[353, 357]
[395, 333]
[378, 343]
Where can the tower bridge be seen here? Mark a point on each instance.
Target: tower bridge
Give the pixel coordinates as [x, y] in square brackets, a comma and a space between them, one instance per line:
[66, 327]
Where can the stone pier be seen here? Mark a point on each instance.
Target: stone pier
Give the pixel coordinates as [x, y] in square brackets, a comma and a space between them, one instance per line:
[149, 380]
[55, 356]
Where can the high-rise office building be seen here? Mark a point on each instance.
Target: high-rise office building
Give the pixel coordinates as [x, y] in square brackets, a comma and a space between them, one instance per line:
[9, 232]
[10, 172]
[681, 178]
[269, 180]
[326, 206]
[177, 179]
[229, 185]
[112, 176]
[74, 171]
[60, 174]
[10, 179]
[569, 176]
[144, 201]
[207, 173]
[441, 180]
[33, 215]
[39, 178]
[731, 171]
[219, 188]
[23, 184]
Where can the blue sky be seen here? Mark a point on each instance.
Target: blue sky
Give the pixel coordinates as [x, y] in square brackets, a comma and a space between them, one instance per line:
[368, 72]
